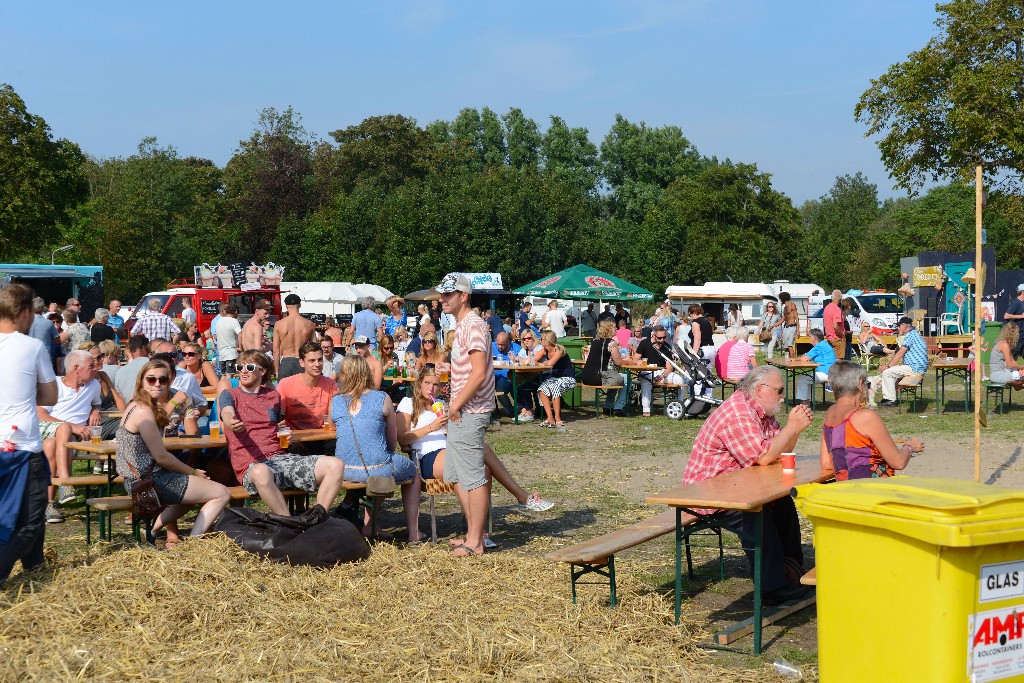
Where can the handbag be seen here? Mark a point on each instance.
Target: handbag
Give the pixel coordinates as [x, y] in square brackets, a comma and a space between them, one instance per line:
[145, 501]
[609, 376]
[315, 538]
[377, 486]
[765, 336]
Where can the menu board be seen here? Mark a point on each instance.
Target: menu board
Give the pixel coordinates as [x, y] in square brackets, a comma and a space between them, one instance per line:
[210, 306]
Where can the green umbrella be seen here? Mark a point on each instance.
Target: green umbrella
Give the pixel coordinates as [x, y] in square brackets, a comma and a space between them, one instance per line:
[584, 282]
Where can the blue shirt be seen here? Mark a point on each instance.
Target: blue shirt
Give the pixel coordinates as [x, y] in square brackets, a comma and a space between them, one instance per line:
[117, 322]
[498, 355]
[823, 354]
[43, 330]
[916, 355]
[213, 332]
[366, 324]
[390, 324]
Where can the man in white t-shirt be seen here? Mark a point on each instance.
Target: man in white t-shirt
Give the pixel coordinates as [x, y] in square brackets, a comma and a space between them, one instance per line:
[228, 330]
[188, 314]
[27, 380]
[76, 410]
[554, 318]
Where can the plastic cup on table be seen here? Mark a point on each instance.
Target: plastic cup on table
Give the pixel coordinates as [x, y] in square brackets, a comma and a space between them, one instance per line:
[215, 430]
[788, 463]
[96, 434]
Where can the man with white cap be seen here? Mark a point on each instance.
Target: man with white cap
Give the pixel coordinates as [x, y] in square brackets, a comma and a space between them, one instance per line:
[1015, 314]
[361, 345]
[470, 410]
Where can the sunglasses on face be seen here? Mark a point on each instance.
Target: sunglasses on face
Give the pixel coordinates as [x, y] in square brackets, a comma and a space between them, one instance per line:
[248, 367]
[189, 354]
[153, 380]
[659, 339]
[429, 341]
[780, 390]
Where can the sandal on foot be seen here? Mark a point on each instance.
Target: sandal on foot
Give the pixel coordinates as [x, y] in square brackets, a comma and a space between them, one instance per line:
[463, 550]
[545, 423]
[558, 424]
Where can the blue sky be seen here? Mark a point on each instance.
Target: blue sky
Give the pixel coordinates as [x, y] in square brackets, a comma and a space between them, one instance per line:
[766, 82]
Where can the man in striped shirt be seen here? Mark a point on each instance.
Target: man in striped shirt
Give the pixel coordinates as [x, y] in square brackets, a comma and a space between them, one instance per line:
[470, 410]
[156, 325]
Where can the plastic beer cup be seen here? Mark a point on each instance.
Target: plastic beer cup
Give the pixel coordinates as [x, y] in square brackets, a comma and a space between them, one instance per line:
[283, 436]
[215, 430]
[96, 434]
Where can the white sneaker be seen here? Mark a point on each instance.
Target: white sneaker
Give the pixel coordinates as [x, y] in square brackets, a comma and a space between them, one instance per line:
[525, 417]
[66, 494]
[53, 515]
[489, 544]
[535, 504]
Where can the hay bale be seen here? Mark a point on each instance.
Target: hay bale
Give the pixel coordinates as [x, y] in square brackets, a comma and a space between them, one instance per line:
[209, 611]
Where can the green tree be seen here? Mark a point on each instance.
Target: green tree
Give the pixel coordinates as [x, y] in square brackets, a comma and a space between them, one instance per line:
[524, 139]
[656, 156]
[569, 157]
[836, 226]
[41, 180]
[957, 102]
[386, 149]
[269, 178]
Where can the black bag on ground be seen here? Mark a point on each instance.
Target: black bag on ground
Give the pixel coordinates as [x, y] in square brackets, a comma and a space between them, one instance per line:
[313, 538]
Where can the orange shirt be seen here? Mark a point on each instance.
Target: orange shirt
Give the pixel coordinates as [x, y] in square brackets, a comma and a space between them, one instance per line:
[305, 407]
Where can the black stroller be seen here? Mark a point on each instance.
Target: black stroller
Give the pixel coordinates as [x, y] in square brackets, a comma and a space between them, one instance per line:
[700, 384]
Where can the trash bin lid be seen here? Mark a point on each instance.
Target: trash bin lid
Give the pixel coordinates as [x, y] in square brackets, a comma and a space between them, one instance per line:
[945, 512]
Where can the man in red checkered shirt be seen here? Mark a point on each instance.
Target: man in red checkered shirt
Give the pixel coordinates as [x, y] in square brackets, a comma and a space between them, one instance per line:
[156, 325]
[743, 432]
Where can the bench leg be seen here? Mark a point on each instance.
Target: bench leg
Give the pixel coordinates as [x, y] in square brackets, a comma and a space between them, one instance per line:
[433, 534]
[607, 570]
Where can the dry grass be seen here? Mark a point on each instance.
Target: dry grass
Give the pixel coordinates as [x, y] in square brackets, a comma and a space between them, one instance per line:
[209, 611]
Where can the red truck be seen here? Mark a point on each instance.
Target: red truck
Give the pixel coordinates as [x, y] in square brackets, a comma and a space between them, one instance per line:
[207, 300]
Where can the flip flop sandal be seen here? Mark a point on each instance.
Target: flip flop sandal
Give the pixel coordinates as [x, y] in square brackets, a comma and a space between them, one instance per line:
[466, 551]
[545, 423]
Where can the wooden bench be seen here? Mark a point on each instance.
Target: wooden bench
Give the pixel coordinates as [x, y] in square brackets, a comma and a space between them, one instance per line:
[1002, 391]
[597, 555]
[599, 390]
[909, 384]
[810, 578]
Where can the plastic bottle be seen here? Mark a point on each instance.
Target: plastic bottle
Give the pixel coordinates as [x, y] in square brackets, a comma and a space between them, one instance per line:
[786, 669]
[10, 443]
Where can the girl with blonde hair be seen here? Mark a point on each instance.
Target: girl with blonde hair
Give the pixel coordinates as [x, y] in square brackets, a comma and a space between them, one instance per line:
[561, 380]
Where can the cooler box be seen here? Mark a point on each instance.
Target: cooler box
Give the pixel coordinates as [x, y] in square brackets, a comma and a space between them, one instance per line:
[918, 580]
[574, 348]
[991, 335]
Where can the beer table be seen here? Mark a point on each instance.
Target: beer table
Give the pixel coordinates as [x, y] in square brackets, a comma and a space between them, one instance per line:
[746, 490]
[514, 370]
[791, 368]
[958, 367]
[629, 369]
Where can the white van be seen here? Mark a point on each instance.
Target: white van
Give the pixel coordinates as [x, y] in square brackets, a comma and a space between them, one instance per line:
[715, 298]
[874, 307]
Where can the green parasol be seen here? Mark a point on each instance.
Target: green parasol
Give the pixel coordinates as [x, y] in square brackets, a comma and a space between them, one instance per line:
[584, 282]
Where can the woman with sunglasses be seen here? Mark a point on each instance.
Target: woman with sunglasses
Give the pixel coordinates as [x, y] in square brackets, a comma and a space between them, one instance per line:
[421, 429]
[561, 380]
[194, 362]
[385, 353]
[141, 451]
[432, 355]
[531, 353]
[771, 322]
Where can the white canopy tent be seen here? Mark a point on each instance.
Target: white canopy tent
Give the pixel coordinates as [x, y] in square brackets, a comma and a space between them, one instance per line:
[334, 298]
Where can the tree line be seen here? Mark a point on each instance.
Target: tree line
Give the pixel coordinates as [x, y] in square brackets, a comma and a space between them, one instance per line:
[390, 202]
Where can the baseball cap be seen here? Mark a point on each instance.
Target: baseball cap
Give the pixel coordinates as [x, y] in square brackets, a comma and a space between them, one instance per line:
[292, 300]
[905, 321]
[264, 304]
[454, 282]
[361, 339]
[1020, 287]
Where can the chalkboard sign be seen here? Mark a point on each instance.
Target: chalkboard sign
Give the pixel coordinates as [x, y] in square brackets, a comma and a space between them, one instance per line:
[211, 306]
[318, 318]
[238, 272]
[343, 319]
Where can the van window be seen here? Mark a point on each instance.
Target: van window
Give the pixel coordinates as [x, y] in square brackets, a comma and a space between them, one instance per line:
[143, 308]
[881, 303]
[177, 305]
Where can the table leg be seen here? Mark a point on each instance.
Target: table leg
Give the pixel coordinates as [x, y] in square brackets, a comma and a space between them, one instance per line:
[967, 390]
[936, 391]
[758, 562]
[515, 395]
[627, 388]
[679, 562]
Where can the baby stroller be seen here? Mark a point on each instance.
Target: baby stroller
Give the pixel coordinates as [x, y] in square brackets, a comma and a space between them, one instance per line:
[700, 383]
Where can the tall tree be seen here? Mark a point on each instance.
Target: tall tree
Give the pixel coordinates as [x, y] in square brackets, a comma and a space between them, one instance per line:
[41, 179]
[957, 102]
[836, 227]
[656, 156]
[524, 139]
[386, 149]
[268, 179]
[570, 157]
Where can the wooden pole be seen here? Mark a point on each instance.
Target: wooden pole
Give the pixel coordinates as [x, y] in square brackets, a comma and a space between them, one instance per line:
[979, 288]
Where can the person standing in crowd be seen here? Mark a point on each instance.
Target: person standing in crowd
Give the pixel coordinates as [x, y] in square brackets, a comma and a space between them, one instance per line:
[622, 314]
[701, 334]
[554, 319]
[771, 323]
[188, 314]
[832, 322]
[790, 324]
[524, 318]
[472, 378]
[588, 321]
[101, 330]
[156, 324]
[367, 323]
[77, 333]
[227, 331]
[396, 316]
[116, 321]
[1015, 315]
[42, 329]
[744, 432]
[75, 306]
[252, 332]
[24, 472]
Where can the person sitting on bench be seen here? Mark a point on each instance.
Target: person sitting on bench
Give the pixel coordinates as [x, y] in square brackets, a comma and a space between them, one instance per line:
[250, 414]
[744, 432]
[910, 359]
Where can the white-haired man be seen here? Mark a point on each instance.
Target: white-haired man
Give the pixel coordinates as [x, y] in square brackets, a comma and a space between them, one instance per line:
[744, 432]
[77, 408]
[155, 324]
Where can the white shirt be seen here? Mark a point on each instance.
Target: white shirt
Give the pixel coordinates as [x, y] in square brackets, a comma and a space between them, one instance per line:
[188, 315]
[434, 441]
[228, 330]
[186, 382]
[556, 321]
[73, 405]
[26, 364]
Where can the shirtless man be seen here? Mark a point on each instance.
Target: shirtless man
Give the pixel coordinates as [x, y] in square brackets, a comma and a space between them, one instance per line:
[790, 324]
[362, 347]
[289, 335]
[252, 332]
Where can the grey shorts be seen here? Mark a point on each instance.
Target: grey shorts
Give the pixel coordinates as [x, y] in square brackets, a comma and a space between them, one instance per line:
[788, 337]
[464, 458]
[290, 472]
[288, 366]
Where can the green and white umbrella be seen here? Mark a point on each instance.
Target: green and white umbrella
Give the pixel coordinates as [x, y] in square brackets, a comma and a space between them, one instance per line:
[584, 282]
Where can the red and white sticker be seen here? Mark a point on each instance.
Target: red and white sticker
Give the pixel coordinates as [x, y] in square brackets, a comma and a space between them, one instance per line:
[995, 646]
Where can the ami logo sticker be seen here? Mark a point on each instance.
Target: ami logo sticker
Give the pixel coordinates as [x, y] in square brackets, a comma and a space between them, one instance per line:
[995, 649]
[1001, 581]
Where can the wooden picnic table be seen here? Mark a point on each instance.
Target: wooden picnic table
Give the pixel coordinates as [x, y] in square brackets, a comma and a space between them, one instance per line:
[108, 448]
[790, 369]
[745, 490]
[514, 369]
[958, 367]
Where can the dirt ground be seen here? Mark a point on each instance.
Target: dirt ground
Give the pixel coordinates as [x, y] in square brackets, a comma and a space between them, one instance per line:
[599, 472]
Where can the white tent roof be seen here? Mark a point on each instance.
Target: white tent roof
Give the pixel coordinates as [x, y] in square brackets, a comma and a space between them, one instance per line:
[335, 292]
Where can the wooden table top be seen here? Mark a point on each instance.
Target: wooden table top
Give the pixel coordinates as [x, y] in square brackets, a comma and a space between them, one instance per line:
[952, 363]
[747, 489]
[791, 363]
[521, 368]
[177, 443]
